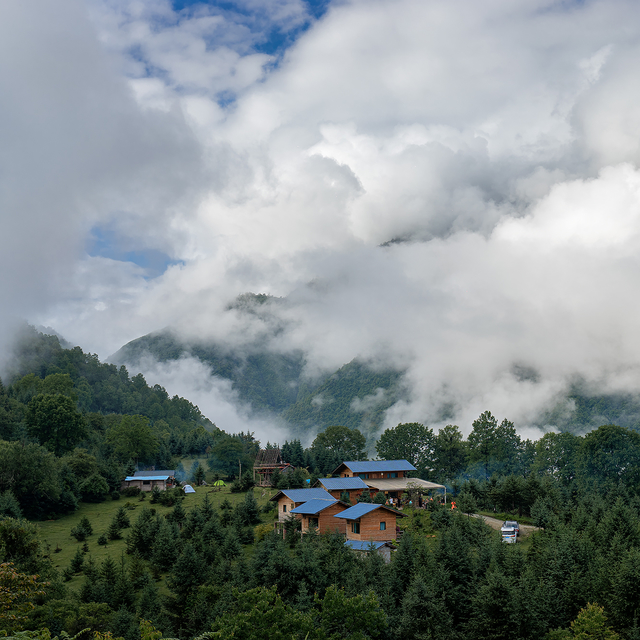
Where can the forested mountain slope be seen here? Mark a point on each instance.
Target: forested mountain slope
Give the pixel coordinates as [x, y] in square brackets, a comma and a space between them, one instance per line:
[356, 395]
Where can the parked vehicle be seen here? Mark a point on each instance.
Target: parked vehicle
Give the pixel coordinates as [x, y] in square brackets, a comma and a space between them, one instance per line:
[510, 525]
[509, 537]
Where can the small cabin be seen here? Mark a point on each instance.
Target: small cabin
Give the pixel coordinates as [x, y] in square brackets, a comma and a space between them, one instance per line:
[289, 499]
[367, 521]
[146, 480]
[337, 486]
[319, 514]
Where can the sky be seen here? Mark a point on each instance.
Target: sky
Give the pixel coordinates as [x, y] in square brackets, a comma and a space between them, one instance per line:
[446, 187]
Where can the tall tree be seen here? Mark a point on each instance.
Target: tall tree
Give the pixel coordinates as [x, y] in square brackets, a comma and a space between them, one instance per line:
[132, 438]
[493, 444]
[409, 441]
[450, 452]
[55, 422]
[347, 444]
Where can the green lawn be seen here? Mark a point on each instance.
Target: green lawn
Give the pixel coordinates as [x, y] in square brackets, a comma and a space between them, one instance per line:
[57, 533]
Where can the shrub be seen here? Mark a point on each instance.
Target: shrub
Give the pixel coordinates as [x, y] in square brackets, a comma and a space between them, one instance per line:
[130, 492]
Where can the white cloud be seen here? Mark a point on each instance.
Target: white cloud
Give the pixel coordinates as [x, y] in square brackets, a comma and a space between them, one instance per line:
[497, 141]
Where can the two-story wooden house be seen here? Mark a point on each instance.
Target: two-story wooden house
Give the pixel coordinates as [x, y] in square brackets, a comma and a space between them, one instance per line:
[391, 477]
[289, 499]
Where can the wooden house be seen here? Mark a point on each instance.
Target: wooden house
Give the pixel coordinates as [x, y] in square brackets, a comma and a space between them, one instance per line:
[391, 477]
[337, 486]
[146, 480]
[374, 469]
[367, 521]
[289, 499]
[266, 462]
[319, 513]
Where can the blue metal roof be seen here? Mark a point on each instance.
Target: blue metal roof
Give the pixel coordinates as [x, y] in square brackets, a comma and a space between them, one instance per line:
[342, 484]
[368, 466]
[358, 510]
[313, 506]
[304, 495]
[363, 545]
[129, 478]
[156, 472]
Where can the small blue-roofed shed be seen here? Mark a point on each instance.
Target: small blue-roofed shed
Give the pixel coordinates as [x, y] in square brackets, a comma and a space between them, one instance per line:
[363, 546]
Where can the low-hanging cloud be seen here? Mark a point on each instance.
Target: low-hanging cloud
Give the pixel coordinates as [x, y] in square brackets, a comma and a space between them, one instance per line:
[449, 189]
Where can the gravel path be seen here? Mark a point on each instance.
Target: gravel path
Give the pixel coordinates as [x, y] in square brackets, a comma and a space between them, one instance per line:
[494, 523]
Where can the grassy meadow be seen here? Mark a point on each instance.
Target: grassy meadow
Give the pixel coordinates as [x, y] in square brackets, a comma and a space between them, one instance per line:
[56, 534]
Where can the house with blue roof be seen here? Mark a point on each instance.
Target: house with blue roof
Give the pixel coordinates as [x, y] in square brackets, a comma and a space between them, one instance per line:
[146, 480]
[319, 514]
[390, 477]
[370, 522]
[289, 499]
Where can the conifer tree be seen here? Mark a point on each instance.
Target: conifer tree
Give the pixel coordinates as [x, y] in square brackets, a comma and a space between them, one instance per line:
[188, 572]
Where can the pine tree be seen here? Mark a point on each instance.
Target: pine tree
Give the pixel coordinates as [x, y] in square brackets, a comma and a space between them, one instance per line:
[77, 562]
[121, 518]
[178, 514]
[188, 572]
[149, 605]
[166, 547]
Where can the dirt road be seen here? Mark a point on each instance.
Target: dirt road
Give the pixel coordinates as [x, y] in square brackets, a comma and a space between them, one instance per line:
[494, 523]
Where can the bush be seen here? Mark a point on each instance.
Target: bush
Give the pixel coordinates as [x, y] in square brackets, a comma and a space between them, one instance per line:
[83, 529]
[262, 531]
[130, 492]
[115, 495]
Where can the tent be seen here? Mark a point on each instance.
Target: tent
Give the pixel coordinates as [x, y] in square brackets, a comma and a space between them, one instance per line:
[219, 483]
[189, 489]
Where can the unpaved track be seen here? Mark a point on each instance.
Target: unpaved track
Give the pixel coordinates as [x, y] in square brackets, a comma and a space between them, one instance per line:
[494, 523]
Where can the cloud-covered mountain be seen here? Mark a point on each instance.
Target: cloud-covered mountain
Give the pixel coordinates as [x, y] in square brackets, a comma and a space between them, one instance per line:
[449, 190]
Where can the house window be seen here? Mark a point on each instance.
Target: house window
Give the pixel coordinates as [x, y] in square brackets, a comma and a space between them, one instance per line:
[383, 526]
[393, 475]
[355, 527]
[146, 482]
[284, 508]
[313, 522]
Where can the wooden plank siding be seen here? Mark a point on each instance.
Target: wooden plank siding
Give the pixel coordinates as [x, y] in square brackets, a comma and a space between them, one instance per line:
[370, 526]
[326, 522]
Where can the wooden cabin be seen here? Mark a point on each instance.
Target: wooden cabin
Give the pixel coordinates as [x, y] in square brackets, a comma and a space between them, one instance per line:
[391, 477]
[319, 513]
[337, 486]
[146, 480]
[374, 469]
[266, 462]
[367, 521]
[289, 499]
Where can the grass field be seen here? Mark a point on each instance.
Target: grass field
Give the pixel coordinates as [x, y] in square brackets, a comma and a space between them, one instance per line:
[57, 533]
